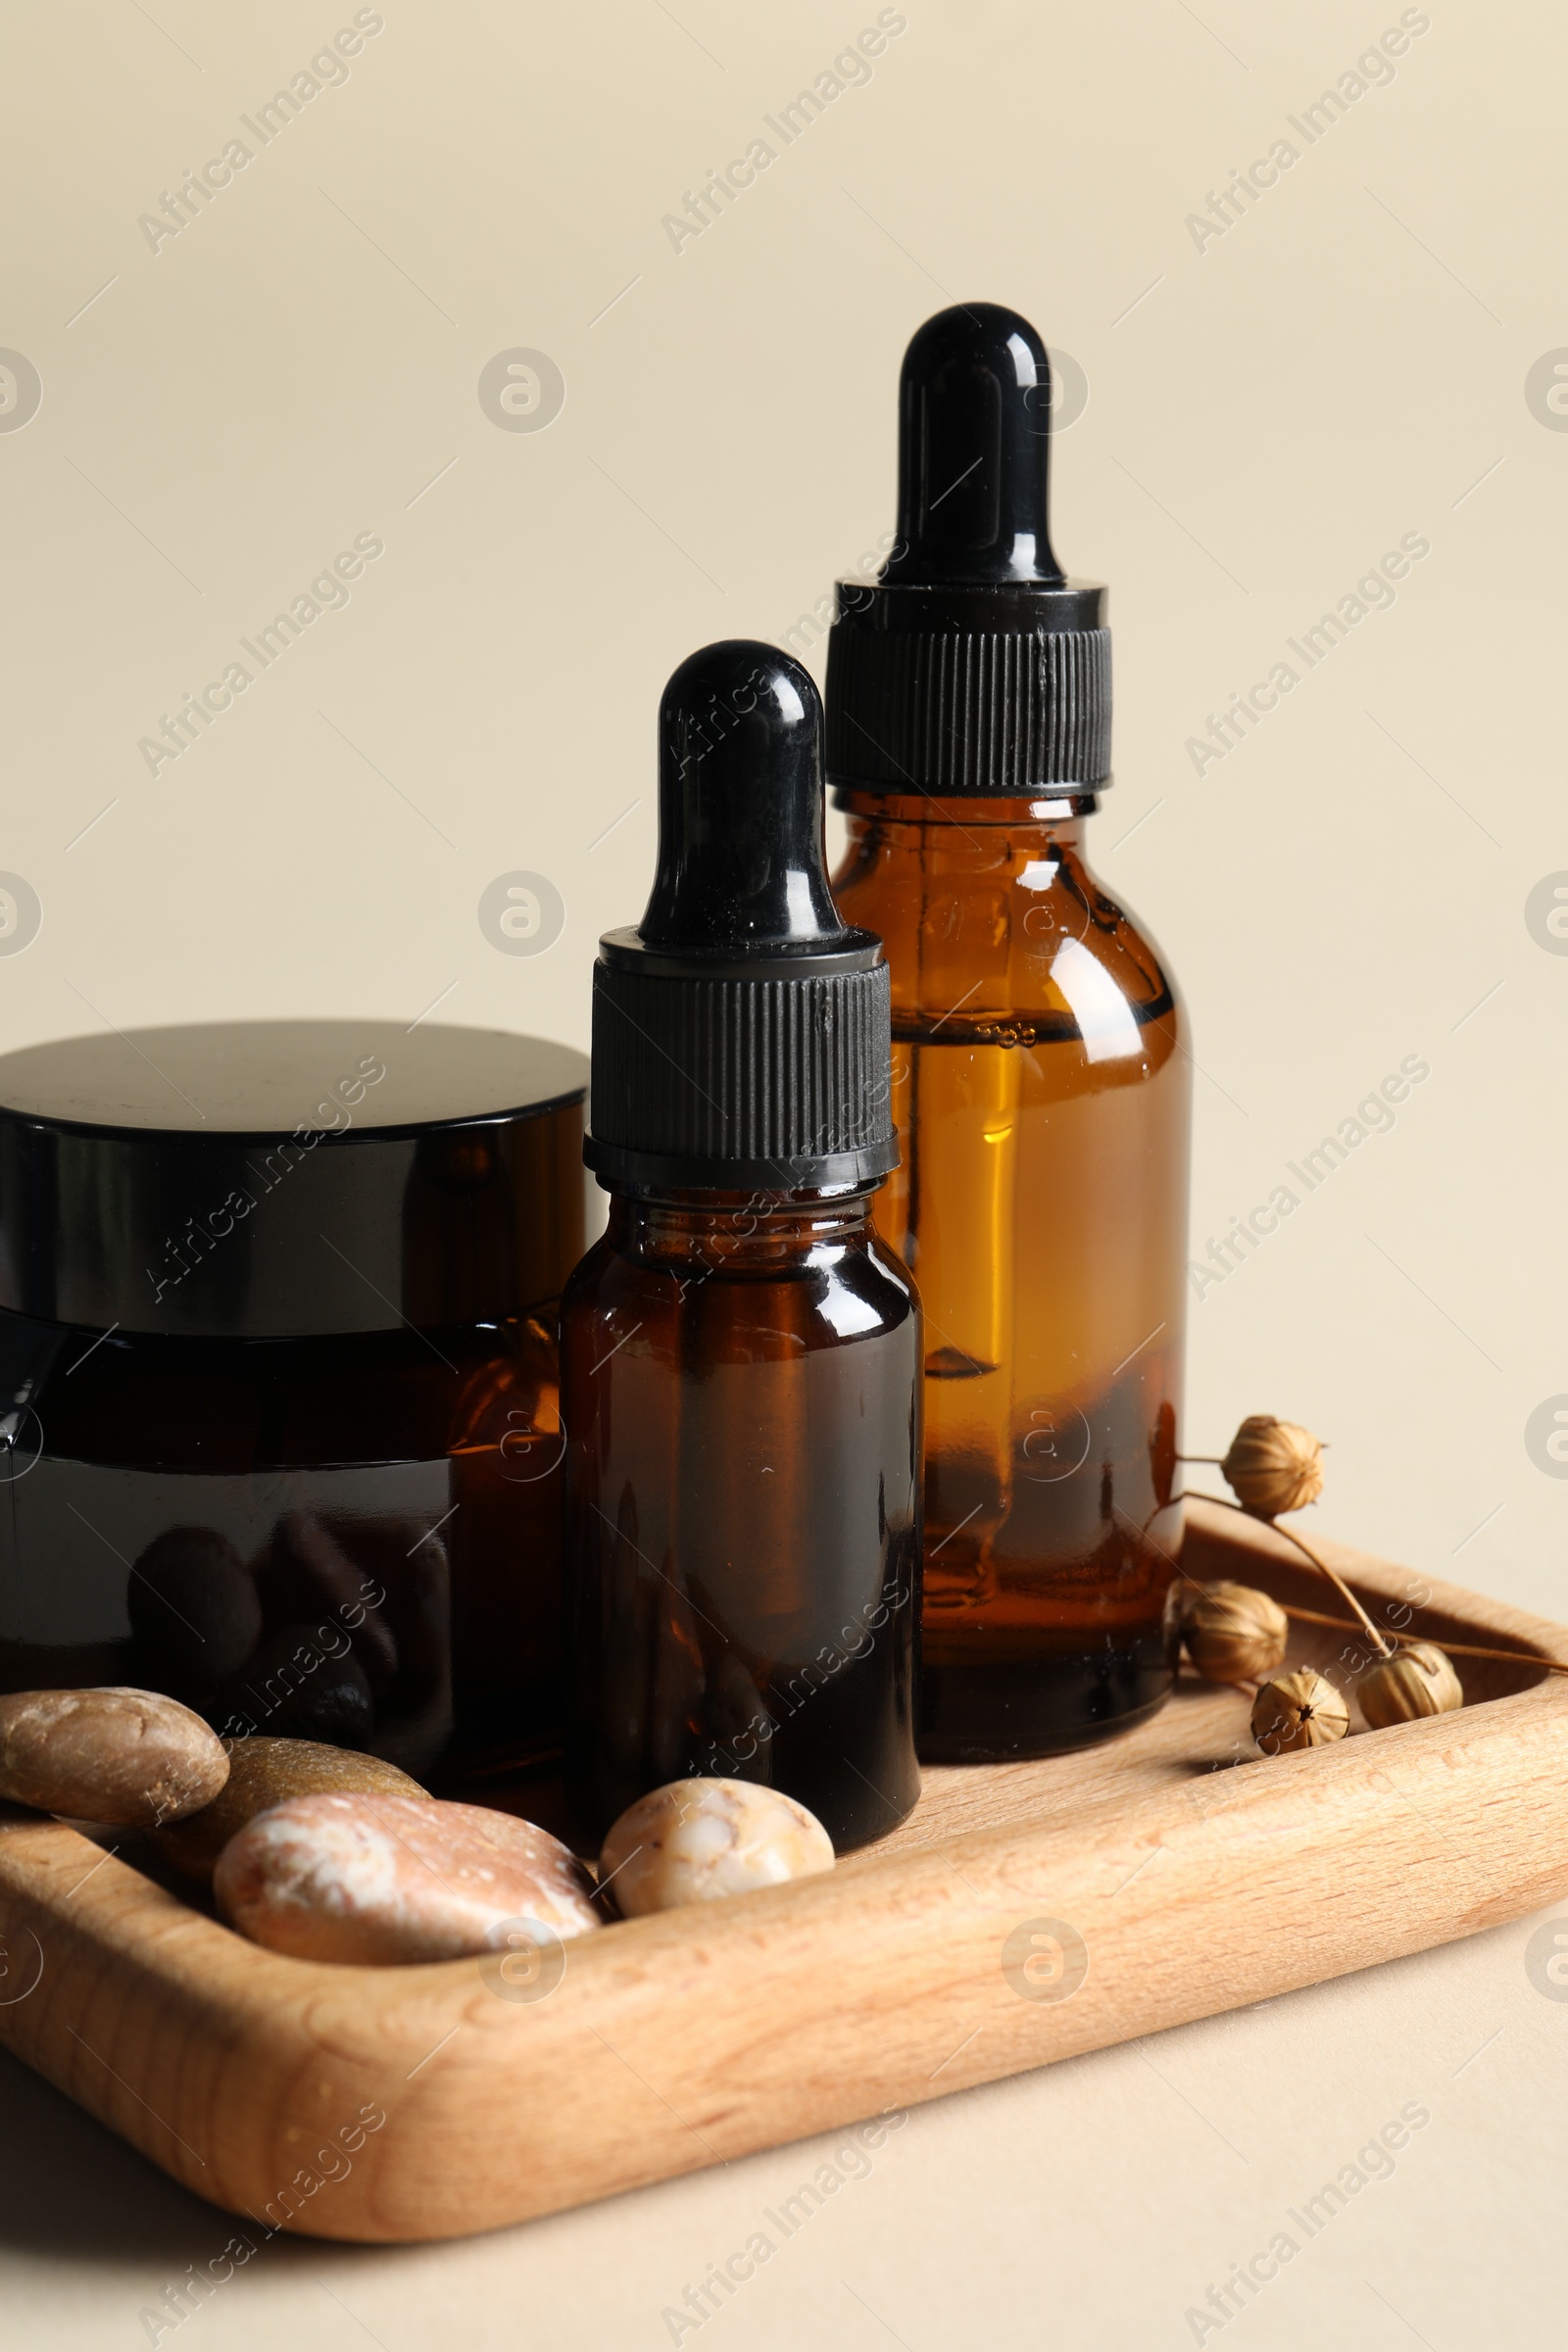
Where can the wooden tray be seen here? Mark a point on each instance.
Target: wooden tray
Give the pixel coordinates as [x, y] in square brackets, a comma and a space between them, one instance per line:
[1025, 1913]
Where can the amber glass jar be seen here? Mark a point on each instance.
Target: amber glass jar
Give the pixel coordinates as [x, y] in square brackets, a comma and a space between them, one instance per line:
[740, 1380]
[1041, 1093]
[278, 1363]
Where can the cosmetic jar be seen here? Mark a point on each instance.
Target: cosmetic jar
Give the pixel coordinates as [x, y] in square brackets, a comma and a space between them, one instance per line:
[280, 1416]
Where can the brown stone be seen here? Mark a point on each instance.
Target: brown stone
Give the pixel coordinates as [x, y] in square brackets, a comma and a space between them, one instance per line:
[383, 1879]
[268, 1772]
[130, 1757]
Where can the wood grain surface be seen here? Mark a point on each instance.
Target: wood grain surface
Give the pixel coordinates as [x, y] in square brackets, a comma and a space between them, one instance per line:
[1023, 1914]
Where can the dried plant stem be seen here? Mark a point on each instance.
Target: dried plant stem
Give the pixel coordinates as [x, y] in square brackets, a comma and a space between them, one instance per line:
[1219, 1459]
[1144, 1534]
[1461, 1649]
[1385, 1646]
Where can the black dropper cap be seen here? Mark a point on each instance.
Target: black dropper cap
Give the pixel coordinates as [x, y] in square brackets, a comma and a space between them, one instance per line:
[972, 666]
[742, 1033]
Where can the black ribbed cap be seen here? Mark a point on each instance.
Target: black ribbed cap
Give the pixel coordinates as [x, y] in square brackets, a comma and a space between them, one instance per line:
[972, 666]
[742, 1033]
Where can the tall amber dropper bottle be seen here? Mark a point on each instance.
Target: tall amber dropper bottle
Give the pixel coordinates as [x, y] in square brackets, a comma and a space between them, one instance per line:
[1041, 1072]
[741, 1353]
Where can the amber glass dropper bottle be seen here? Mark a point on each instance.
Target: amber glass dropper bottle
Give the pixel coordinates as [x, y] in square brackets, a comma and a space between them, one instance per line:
[1041, 1072]
[741, 1352]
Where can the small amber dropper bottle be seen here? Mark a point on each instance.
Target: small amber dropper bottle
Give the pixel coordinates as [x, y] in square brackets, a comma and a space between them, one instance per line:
[1041, 1072]
[741, 1353]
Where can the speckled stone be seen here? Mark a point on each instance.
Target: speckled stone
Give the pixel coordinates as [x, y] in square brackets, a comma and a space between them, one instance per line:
[130, 1757]
[384, 1879]
[263, 1772]
[695, 1842]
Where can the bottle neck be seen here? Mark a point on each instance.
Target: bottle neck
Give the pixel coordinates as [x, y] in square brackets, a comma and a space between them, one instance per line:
[925, 809]
[979, 837]
[752, 1228]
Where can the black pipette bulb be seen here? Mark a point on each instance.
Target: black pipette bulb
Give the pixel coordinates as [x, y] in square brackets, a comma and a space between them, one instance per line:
[974, 452]
[740, 810]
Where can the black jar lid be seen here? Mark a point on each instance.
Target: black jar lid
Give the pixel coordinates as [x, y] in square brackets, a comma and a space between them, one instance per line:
[288, 1179]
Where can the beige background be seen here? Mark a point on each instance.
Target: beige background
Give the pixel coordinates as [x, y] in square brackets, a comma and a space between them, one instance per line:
[1266, 417]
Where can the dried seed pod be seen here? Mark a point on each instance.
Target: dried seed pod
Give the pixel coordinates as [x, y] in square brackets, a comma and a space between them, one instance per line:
[1273, 1466]
[1417, 1680]
[1298, 1710]
[1234, 1634]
